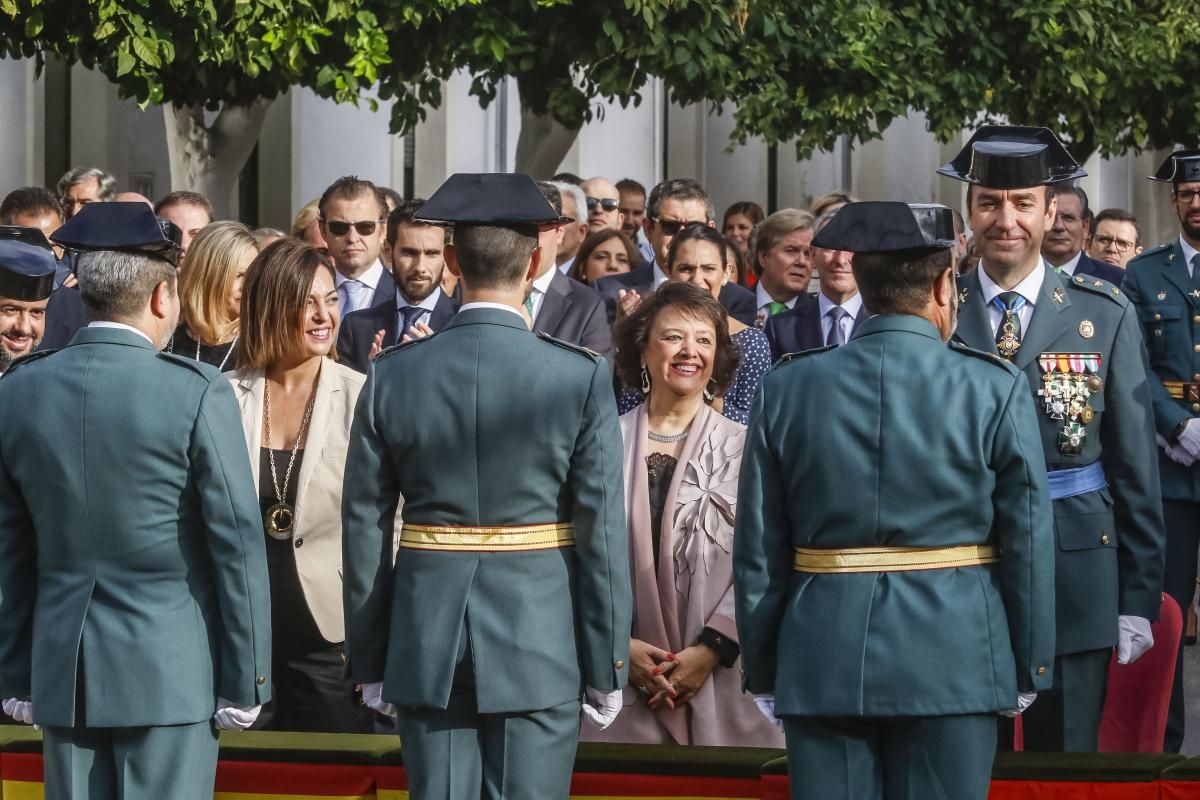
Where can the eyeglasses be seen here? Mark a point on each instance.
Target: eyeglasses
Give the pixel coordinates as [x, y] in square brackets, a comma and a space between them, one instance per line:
[672, 227]
[607, 203]
[1186, 196]
[364, 228]
[1120, 245]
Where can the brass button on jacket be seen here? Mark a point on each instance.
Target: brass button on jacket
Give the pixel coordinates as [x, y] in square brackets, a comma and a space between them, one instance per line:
[261, 680]
[619, 664]
[1104, 539]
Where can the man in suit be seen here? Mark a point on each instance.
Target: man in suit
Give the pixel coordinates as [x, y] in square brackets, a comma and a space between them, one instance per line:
[1063, 246]
[1116, 237]
[1163, 284]
[353, 212]
[783, 262]
[416, 253]
[673, 205]
[1078, 341]
[828, 319]
[509, 597]
[27, 267]
[142, 561]
[859, 568]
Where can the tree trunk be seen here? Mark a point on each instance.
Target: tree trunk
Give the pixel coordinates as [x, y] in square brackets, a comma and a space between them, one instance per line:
[209, 158]
[543, 143]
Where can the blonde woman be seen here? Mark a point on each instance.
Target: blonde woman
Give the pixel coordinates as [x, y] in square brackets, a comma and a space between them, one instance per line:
[210, 294]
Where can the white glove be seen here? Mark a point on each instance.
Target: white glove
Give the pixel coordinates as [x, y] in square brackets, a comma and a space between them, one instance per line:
[1134, 638]
[766, 705]
[372, 694]
[230, 717]
[1189, 439]
[1024, 701]
[20, 710]
[1176, 454]
[600, 709]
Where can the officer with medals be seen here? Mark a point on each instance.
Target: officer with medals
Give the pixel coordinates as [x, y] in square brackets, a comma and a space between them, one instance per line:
[133, 586]
[509, 598]
[1163, 284]
[27, 266]
[887, 626]
[1078, 341]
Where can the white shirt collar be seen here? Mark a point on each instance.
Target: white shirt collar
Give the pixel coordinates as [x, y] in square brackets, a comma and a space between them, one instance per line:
[370, 278]
[121, 326]
[1189, 253]
[763, 299]
[1070, 267]
[495, 306]
[542, 282]
[566, 266]
[851, 306]
[429, 303]
[660, 277]
[1030, 288]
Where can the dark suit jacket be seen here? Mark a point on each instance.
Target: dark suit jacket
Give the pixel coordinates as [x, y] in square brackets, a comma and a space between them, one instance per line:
[738, 300]
[575, 313]
[799, 328]
[359, 328]
[385, 291]
[1105, 272]
[65, 315]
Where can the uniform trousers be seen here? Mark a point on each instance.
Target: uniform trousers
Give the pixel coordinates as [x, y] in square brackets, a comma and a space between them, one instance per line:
[151, 763]
[1067, 717]
[1182, 522]
[890, 758]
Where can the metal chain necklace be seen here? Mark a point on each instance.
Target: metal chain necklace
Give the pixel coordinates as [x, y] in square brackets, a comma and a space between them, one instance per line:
[672, 439]
[170, 348]
[280, 518]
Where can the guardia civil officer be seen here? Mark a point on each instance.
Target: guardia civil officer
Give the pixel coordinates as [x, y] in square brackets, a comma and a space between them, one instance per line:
[27, 266]
[133, 580]
[510, 596]
[893, 561]
[1078, 341]
[1164, 286]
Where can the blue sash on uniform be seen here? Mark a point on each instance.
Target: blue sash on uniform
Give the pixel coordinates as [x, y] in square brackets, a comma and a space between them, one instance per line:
[1081, 480]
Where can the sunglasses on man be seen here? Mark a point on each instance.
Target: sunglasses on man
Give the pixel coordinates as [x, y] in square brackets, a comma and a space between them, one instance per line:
[364, 228]
[607, 203]
[672, 227]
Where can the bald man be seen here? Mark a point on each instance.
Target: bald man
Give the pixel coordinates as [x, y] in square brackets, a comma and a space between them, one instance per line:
[603, 204]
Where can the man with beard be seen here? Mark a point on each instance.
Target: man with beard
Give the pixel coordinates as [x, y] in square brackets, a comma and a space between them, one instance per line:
[27, 267]
[134, 614]
[419, 307]
[874, 533]
[1078, 341]
[1164, 285]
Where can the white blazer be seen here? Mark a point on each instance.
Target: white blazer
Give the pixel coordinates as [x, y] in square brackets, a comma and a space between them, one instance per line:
[317, 536]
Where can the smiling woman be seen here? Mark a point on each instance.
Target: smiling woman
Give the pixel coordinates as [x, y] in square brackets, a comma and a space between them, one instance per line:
[296, 405]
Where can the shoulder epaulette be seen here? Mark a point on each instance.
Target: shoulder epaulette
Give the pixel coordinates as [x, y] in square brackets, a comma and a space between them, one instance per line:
[787, 358]
[983, 355]
[398, 346]
[574, 348]
[28, 359]
[1095, 285]
[207, 370]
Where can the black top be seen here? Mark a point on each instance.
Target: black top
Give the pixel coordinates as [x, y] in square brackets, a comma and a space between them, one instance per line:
[294, 631]
[221, 356]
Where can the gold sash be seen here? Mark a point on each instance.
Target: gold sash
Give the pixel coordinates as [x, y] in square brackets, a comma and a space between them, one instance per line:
[487, 540]
[892, 559]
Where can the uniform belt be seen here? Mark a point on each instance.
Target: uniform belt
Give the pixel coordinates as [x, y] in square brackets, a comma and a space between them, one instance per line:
[1181, 390]
[1081, 480]
[892, 559]
[487, 540]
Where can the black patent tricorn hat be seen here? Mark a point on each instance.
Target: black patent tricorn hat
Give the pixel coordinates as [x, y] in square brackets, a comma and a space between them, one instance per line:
[888, 227]
[1182, 166]
[124, 227]
[1013, 157]
[500, 199]
[27, 264]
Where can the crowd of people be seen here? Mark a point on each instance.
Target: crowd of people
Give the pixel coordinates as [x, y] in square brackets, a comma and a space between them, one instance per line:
[352, 406]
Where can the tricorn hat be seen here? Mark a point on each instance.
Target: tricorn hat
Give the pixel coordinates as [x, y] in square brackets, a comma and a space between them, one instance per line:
[126, 227]
[1013, 157]
[1182, 166]
[27, 264]
[888, 227]
[500, 199]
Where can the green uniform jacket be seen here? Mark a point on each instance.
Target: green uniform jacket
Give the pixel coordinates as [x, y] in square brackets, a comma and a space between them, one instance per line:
[487, 424]
[131, 544]
[894, 439]
[1109, 559]
[1158, 284]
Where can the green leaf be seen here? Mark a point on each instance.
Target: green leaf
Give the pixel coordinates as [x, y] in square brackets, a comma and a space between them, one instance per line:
[146, 50]
[125, 62]
[9, 7]
[33, 24]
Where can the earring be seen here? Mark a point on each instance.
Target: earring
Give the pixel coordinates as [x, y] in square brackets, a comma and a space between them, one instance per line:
[645, 380]
[709, 394]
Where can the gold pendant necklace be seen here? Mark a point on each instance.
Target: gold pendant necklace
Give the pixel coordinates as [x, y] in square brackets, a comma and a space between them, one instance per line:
[280, 518]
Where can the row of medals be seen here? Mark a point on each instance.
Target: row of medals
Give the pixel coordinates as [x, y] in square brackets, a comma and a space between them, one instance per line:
[1068, 381]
